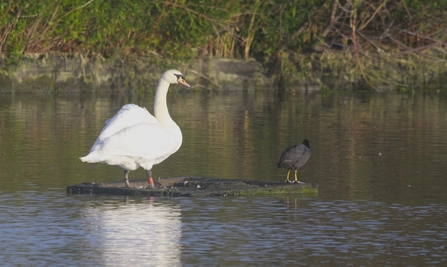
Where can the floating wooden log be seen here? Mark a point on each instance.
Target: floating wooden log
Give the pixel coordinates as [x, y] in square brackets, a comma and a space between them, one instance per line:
[193, 186]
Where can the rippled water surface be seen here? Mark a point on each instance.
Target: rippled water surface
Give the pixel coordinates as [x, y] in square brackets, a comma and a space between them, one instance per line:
[380, 162]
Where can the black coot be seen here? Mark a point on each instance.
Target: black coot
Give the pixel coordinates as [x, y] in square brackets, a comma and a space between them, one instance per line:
[295, 157]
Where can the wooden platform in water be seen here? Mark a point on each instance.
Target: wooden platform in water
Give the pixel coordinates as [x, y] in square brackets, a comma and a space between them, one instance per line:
[193, 187]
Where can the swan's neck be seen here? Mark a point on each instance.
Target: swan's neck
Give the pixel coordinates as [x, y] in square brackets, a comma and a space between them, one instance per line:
[160, 107]
[161, 110]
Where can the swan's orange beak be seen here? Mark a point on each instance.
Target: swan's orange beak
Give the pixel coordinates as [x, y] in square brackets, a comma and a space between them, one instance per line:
[181, 80]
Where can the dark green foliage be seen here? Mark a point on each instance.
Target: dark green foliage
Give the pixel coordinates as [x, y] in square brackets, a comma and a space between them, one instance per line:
[274, 32]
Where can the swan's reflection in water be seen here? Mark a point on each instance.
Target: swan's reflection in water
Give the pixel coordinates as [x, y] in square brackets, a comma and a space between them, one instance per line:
[145, 233]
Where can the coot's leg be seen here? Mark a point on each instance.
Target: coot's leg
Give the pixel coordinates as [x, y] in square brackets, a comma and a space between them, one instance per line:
[288, 175]
[296, 177]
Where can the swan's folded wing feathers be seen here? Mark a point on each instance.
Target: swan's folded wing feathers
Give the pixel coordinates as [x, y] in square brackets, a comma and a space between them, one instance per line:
[127, 116]
[146, 140]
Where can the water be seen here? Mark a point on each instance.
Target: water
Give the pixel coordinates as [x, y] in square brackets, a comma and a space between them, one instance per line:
[380, 161]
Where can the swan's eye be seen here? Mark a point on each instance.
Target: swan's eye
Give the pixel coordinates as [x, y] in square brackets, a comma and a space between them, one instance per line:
[180, 77]
[181, 80]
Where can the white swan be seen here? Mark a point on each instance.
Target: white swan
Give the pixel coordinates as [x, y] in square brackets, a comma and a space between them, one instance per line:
[134, 138]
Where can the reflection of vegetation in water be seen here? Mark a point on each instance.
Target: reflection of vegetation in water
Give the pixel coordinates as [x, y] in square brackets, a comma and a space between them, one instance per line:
[236, 135]
[379, 41]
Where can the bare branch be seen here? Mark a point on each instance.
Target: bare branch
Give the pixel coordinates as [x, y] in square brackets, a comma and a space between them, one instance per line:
[73, 10]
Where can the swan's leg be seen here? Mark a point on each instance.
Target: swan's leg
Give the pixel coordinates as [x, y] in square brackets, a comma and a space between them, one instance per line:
[126, 176]
[149, 179]
[288, 175]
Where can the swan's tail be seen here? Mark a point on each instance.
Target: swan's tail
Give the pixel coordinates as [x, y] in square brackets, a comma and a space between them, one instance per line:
[91, 157]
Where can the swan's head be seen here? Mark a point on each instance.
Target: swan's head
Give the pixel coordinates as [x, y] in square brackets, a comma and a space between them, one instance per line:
[175, 76]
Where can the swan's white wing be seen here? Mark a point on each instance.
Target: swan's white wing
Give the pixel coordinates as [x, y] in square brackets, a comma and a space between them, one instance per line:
[142, 140]
[127, 116]
[149, 141]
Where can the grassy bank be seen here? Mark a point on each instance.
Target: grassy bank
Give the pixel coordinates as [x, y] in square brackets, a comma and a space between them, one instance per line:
[293, 37]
